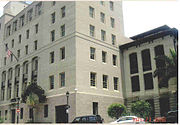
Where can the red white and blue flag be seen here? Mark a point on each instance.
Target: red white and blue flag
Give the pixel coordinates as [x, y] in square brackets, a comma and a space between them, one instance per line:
[8, 52]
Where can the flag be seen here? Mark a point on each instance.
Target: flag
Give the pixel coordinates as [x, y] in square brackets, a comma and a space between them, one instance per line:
[8, 52]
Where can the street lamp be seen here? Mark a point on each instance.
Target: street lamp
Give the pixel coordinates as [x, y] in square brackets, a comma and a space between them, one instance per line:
[17, 110]
[67, 108]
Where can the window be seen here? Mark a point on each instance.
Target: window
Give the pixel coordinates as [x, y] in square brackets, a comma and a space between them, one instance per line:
[38, 8]
[148, 81]
[15, 25]
[51, 81]
[102, 3]
[112, 22]
[92, 53]
[63, 30]
[35, 45]
[12, 43]
[11, 57]
[104, 56]
[105, 80]
[52, 35]
[135, 83]
[115, 79]
[26, 48]
[62, 79]
[45, 111]
[53, 3]
[114, 60]
[62, 53]
[6, 113]
[91, 12]
[53, 18]
[93, 79]
[8, 32]
[103, 35]
[133, 63]
[21, 113]
[19, 38]
[52, 57]
[30, 113]
[29, 15]
[146, 60]
[159, 51]
[92, 28]
[27, 34]
[18, 53]
[113, 37]
[102, 17]
[21, 21]
[36, 28]
[95, 108]
[5, 60]
[63, 13]
[111, 5]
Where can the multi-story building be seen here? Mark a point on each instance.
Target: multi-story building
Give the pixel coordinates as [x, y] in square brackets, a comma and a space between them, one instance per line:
[138, 62]
[62, 46]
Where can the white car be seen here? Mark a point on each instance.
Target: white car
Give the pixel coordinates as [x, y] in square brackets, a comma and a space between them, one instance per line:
[129, 120]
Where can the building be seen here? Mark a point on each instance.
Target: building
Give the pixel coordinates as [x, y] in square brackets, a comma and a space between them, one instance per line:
[62, 46]
[139, 65]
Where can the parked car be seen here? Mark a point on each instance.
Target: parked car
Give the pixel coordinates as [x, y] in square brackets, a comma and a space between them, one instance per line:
[129, 120]
[88, 119]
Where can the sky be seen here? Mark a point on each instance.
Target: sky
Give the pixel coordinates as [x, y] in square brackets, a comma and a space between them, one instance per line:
[141, 16]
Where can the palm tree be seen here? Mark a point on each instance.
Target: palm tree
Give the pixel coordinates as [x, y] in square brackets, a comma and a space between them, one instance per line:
[32, 96]
[169, 70]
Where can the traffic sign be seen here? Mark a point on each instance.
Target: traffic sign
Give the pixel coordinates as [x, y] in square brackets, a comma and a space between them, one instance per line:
[17, 110]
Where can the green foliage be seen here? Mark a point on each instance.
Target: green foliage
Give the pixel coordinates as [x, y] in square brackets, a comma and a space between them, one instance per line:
[141, 109]
[169, 70]
[1, 120]
[116, 110]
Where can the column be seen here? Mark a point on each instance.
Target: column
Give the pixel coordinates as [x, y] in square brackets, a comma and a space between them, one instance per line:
[140, 70]
[20, 80]
[13, 84]
[157, 107]
[6, 86]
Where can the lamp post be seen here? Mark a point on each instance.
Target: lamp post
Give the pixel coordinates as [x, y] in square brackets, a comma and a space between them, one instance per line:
[17, 110]
[67, 108]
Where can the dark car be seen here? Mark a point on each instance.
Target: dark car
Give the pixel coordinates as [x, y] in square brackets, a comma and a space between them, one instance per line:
[172, 117]
[88, 119]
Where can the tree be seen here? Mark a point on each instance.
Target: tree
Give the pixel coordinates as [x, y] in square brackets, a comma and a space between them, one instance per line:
[116, 110]
[141, 109]
[32, 96]
[169, 70]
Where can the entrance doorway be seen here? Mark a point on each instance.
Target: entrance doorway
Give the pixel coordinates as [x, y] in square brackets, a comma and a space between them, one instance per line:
[13, 116]
[61, 115]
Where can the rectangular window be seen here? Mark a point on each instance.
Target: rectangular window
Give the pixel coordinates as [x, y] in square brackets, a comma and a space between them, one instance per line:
[146, 60]
[26, 48]
[35, 45]
[115, 79]
[114, 60]
[30, 113]
[135, 83]
[133, 63]
[51, 81]
[38, 8]
[63, 11]
[95, 108]
[102, 3]
[112, 22]
[18, 53]
[91, 12]
[102, 17]
[93, 79]
[21, 21]
[53, 18]
[19, 38]
[15, 25]
[8, 32]
[63, 30]
[5, 60]
[62, 53]
[104, 54]
[36, 28]
[92, 53]
[6, 113]
[53, 3]
[52, 57]
[62, 79]
[92, 29]
[12, 43]
[11, 57]
[27, 34]
[148, 81]
[113, 37]
[21, 113]
[29, 15]
[111, 5]
[52, 35]
[45, 111]
[103, 35]
[105, 81]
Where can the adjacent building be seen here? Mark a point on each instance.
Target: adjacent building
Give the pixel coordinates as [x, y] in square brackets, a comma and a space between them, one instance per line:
[79, 47]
